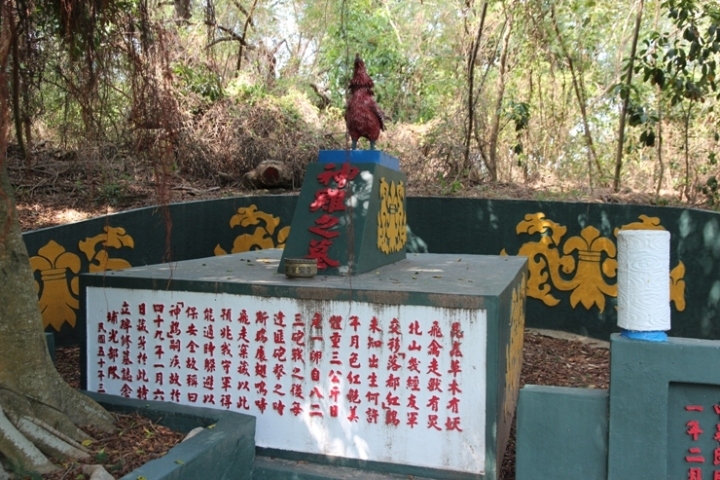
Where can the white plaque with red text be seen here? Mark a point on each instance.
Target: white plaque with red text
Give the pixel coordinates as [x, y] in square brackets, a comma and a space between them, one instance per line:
[389, 383]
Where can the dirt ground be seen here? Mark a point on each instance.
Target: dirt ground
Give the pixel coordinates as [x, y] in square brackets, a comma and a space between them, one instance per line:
[62, 187]
[61, 190]
[135, 441]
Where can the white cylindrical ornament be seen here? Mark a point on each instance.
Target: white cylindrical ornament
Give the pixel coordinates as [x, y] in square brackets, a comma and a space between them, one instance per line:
[644, 280]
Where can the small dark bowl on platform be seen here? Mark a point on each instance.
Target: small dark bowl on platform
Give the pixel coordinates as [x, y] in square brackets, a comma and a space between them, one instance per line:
[300, 267]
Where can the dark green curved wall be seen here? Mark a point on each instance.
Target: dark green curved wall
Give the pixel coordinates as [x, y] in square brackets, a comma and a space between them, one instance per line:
[571, 250]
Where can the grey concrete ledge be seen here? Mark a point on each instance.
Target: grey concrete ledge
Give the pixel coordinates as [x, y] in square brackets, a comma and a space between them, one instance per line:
[274, 464]
[572, 337]
[271, 468]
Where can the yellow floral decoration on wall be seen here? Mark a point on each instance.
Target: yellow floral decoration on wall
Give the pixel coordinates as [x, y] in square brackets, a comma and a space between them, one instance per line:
[581, 264]
[266, 233]
[96, 249]
[59, 285]
[392, 222]
[514, 349]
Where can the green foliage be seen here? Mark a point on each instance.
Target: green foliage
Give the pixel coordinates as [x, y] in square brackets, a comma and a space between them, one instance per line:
[244, 90]
[682, 60]
[113, 189]
[200, 80]
[410, 85]
[449, 186]
[364, 29]
[642, 116]
[124, 70]
[518, 113]
[101, 456]
[647, 138]
[711, 190]
[84, 27]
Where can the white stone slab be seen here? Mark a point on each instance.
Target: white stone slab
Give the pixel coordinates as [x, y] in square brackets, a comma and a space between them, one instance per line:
[411, 391]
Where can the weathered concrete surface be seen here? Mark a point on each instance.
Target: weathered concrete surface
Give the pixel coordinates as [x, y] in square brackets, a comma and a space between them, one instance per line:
[653, 388]
[572, 337]
[562, 433]
[456, 281]
[267, 468]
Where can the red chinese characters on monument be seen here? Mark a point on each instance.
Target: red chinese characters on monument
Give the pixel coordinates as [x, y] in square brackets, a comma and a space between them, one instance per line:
[695, 457]
[328, 366]
[329, 199]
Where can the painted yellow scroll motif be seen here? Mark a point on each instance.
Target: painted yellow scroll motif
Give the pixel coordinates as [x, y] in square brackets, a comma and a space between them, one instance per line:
[589, 258]
[60, 284]
[543, 256]
[548, 268]
[645, 223]
[514, 349]
[100, 261]
[265, 235]
[677, 286]
[392, 223]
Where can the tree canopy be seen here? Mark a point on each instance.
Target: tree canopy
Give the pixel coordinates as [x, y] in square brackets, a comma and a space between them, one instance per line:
[589, 92]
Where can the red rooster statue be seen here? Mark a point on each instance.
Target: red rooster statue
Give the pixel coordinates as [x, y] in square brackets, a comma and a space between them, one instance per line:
[362, 115]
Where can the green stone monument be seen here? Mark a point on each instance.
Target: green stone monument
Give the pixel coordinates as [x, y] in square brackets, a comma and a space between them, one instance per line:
[350, 216]
[361, 367]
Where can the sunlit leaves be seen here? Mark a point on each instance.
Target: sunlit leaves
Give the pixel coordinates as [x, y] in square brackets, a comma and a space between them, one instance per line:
[682, 60]
[200, 80]
[407, 49]
[518, 113]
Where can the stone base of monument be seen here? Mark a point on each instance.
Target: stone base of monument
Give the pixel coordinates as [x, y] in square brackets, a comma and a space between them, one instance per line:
[410, 369]
[269, 467]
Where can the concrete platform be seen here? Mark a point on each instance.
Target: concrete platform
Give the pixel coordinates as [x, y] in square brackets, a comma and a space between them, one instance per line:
[269, 468]
[451, 281]
[367, 369]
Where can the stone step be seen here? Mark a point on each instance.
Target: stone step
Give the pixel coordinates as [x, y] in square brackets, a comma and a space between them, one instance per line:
[270, 468]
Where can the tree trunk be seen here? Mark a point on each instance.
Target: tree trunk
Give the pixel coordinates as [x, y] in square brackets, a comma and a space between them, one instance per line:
[580, 95]
[243, 38]
[17, 111]
[471, 86]
[661, 165]
[626, 100]
[38, 410]
[686, 152]
[502, 80]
